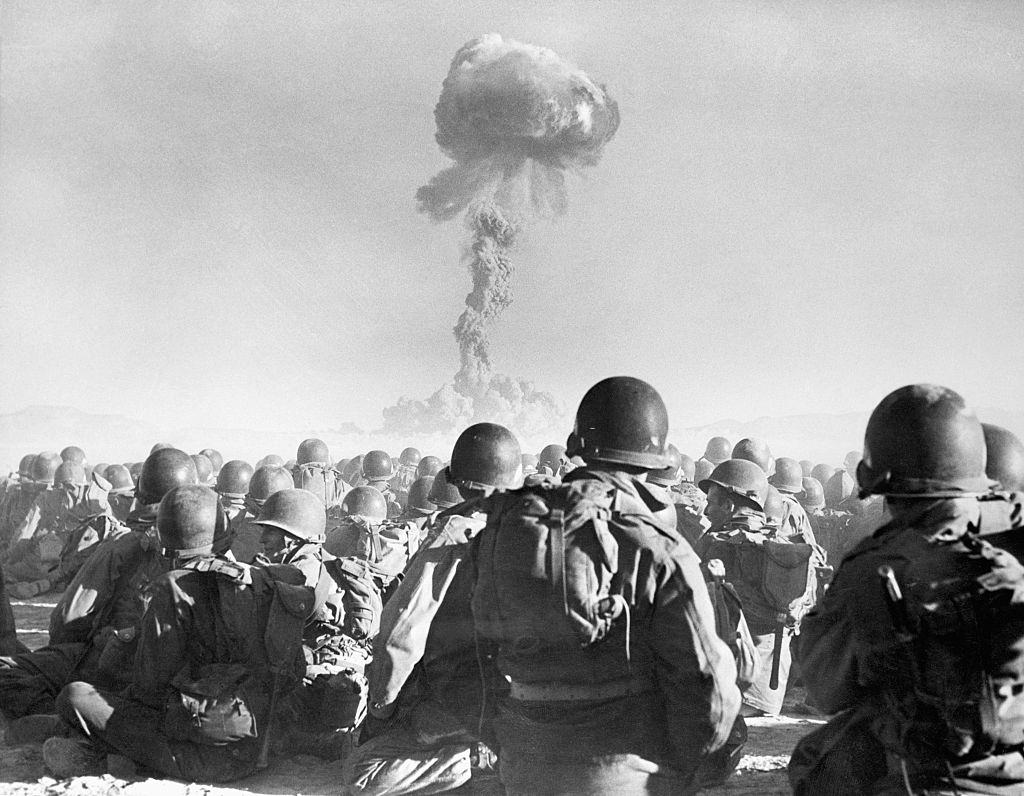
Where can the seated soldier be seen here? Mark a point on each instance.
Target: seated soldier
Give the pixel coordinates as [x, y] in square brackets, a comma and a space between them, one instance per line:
[220, 645]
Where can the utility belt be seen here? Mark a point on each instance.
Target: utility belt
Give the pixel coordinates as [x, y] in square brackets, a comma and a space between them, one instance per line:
[573, 692]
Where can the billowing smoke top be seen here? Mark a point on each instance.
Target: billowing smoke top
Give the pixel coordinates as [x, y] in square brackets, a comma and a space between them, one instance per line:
[514, 118]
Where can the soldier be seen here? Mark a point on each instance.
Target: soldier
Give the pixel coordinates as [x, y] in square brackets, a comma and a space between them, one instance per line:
[690, 502]
[17, 503]
[619, 684]
[718, 450]
[220, 645]
[806, 465]
[663, 481]
[915, 648]
[823, 472]
[702, 468]
[429, 465]
[756, 451]
[271, 459]
[1005, 461]
[426, 698]
[204, 468]
[122, 491]
[419, 508]
[850, 462]
[216, 460]
[314, 473]
[788, 479]
[94, 627]
[405, 474]
[73, 454]
[246, 534]
[552, 460]
[353, 472]
[812, 498]
[776, 589]
[377, 471]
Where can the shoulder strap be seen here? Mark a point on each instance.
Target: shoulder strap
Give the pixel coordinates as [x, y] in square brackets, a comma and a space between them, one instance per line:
[556, 524]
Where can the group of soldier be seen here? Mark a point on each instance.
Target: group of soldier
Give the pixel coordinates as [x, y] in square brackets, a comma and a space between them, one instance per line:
[600, 618]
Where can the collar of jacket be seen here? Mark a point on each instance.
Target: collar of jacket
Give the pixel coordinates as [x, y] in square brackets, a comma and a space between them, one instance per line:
[630, 485]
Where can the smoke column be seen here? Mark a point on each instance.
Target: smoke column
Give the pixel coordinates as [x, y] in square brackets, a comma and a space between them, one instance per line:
[515, 119]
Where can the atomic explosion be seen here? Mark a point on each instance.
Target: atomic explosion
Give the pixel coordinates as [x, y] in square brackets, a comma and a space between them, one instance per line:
[515, 119]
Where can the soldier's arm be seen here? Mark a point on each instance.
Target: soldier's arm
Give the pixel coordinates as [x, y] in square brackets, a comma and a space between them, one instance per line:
[163, 641]
[406, 620]
[826, 648]
[695, 670]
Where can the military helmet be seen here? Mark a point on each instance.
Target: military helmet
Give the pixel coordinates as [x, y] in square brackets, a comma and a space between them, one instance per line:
[215, 458]
[365, 501]
[621, 420]
[429, 465]
[312, 451]
[353, 470]
[341, 464]
[923, 441]
[69, 472]
[851, 460]
[486, 456]
[44, 467]
[204, 467]
[718, 450]
[670, 475]
[553, 457]
[377, 466]
[443, 494]
[806, 465]
[135, 468]
[744, 479]
[410, 456]
[233, 478]
[419, 495]
[688, 468]
[839, 487]
[813, 494]
[100, 468]
[774, 507]
[267, 480]
[823, 472]
[298, 513]
[1005, 458]
[271, 459]
[160, 446]
[187, 520]
[25, 466]
[121, 482]
[788, 475]
[162, 471]
[753, 450]
[702, 469]
[72, 453]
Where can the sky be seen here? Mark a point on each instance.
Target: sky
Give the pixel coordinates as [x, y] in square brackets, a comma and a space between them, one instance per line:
[208, 216]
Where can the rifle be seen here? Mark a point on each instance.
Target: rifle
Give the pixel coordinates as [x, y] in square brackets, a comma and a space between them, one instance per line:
[262, 758]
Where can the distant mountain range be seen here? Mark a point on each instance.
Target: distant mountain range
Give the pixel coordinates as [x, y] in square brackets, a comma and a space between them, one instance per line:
[110, 438]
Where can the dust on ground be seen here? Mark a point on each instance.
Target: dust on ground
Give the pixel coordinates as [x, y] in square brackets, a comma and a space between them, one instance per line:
[762, 769]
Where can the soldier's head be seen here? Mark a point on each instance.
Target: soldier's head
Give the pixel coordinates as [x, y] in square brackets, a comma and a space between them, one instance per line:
[204, 468]
[429, 465]
[812, 498]
[850, 462]
[443, 494]
[788, 477]
[671, 474]
[162, 471]
[289, 518]
[702, 469]
[71, 481]
[25, 467]
[122, 490]
[187, 521]
[688, 469]
[839, 487]
[216, 460]
[1004, 461]
[365, 502]
[313, 451]
[72, 453]
[233, 480]
[267, 480]
[377, 466]
[552, 460]
[923, 442]
[485, 457]
[621, 424]
[410, 457]
[718, 450]
[806, 465]
[774, 508]
[44, 468]
[419, 496]
[272, 459]
[823, 472]
[353, 471]
[754, 450]
[734, 485]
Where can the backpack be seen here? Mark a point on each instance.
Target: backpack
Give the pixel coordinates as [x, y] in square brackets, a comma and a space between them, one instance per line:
[731, 624]
[323, 481]
[956, 601]
[386, 547]
[549, 590]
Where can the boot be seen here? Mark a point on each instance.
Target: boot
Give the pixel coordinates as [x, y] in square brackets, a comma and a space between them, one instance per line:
[73, 757]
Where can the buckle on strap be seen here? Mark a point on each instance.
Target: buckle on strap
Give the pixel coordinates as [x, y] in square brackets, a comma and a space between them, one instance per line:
[566, 692]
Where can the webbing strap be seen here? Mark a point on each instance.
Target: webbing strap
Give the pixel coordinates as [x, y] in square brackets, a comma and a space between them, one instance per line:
[556, 523]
